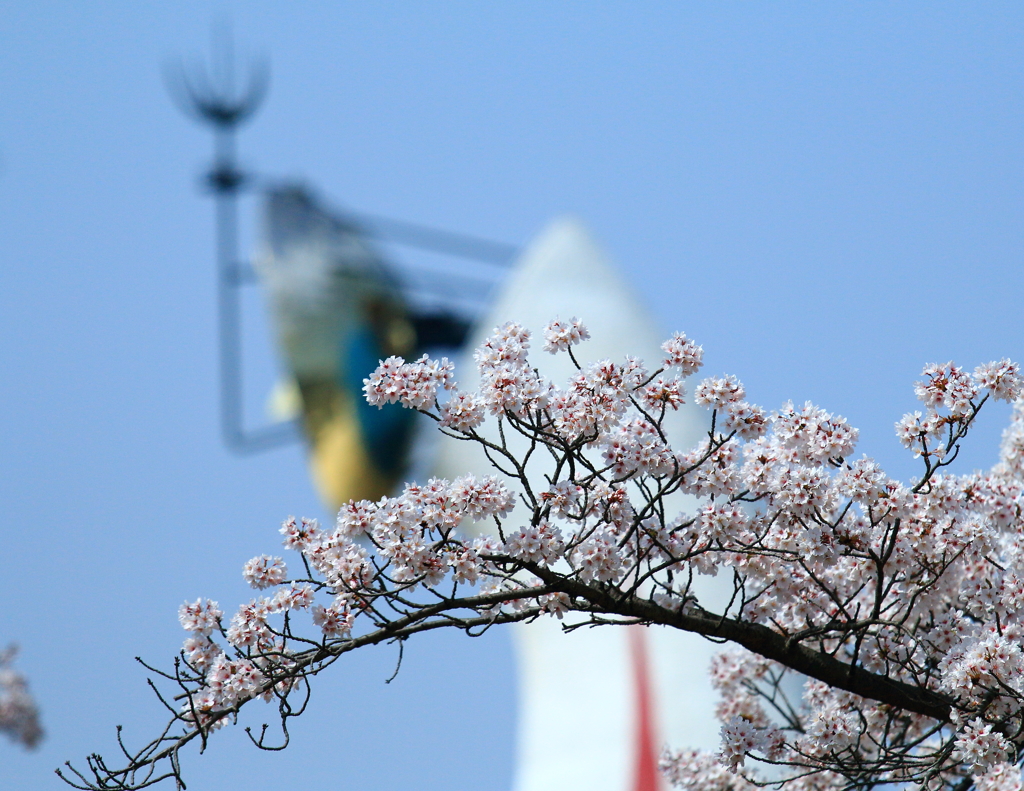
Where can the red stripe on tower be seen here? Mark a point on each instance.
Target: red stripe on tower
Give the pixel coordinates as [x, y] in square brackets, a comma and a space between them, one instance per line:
[645, 766]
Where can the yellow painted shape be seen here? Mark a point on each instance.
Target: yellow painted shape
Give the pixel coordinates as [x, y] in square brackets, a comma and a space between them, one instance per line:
[342, 469]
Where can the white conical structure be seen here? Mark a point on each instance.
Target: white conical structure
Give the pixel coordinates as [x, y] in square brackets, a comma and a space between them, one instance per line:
[583, 722]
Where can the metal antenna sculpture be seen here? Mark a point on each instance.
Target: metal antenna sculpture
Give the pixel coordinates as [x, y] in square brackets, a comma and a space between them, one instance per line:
[213, 100]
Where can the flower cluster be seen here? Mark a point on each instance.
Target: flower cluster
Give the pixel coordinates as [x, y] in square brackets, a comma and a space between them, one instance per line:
[879, 625]
[264, 571]
[980, 748]
[683, 354]
[19, 717]
[412, 385]
[560, 335]
[950, 395]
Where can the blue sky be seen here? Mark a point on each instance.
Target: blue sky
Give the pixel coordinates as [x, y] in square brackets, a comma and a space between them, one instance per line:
[826, 196]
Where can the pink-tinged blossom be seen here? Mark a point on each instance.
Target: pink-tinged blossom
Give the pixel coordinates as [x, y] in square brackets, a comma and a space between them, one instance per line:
[594, 401]
[463, 411]
[434, 504]
[414, 385]
[233, 680]
[440, 372]
[518, 390]
[831, 729]
[814, 434]
[803, 489]
[732, 672]
[749, 421]
[598, 558]
[981, 748]
[637, 448]
[740, 738]
[508, 344]
[19, 715]
[264, 572]
[608, 379]
[730, 668]
[610, 503]
[574, 414]
[294, 597]
[541, 543]
[634, 374]
[718, 392]
[1002, 379]
[201, 616]
[334, 621]
[345, 565]
[697, 770]
[1001, 777]
[487, 546]
[395, 513]
[763, 460]
[980, 663]
[249, 626]
[200, 707]
[483, 498]
[298, 534]
[556, 604]
[563, 498]
[668, 393]
[200, 652]
[861, 480]
[1011, 593]
[560, 335]
[717, 471]
[355, 518]
[912, 428]
[946, 385]
[1011, 449]
[507, 382]
[384, 386]
[683, 353]
[465, 564]
[722, 521]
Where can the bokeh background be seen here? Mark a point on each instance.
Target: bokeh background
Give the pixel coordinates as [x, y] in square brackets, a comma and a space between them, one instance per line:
[826, 196]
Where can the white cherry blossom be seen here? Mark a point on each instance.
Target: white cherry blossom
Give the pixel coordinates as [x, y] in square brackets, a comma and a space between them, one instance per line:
[878, 625]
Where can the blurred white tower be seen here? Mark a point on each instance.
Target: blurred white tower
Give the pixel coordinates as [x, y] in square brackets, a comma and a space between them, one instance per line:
[596, 706]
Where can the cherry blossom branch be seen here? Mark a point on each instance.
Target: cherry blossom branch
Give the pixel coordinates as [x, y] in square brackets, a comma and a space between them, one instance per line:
[140, 771]
[900, 610]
